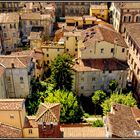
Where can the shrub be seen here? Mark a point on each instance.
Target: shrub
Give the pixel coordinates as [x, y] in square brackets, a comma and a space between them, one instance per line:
[86, 115]
[98, 123]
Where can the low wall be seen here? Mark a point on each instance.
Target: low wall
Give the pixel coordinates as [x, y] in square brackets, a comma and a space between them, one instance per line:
[75, 125]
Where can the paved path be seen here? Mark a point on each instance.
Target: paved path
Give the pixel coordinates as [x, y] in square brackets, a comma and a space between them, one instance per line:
[86, 131]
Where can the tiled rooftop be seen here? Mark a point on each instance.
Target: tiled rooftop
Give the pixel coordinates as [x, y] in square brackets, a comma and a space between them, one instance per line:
[102, 33]
[9, 18]
[122, 122]
[134, 31]
[7, 131]
[11, 104]
[100, 65]
[50, 110]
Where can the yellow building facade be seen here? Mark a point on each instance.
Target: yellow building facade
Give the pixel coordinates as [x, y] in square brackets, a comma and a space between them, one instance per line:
[100, 11]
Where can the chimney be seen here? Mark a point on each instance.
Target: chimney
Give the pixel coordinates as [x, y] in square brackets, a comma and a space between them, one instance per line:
[13, 66]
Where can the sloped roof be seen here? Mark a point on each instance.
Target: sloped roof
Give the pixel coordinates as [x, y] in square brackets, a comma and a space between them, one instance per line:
[18, 61]
[36, 54]
[134, 31]
[100, 65]
[7, 131]
[30, 122]
[51, 112]
[9, 17]
[123, 122]
[11, 104]
[127, 5]
[102, 33]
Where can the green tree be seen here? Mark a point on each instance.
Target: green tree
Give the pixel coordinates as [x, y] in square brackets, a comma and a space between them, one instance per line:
[118, 98]
[113, 84]
[98, 97]
[70, 109]
[39, 93]
[61, 72]
[98, 123]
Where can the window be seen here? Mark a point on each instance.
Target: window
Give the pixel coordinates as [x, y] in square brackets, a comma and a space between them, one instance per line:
[93, 78]
[93, 87]
[30, 22]
[14, 34]
[90, 51]
[11, 26]
[67, 50]
[82, 79]
[58, 50]
[51, 125]
[82, 87]
[21, 80]
[47, 55]
[5, 35]
[132, 61]
[67, 38]
[137, 18]
[110, 71]
[138, 71]
[15, 26]
[11, 116]
[76, 49]
[112, 50]
[30, 131]
[123, 49]
[135, 66]
[48, 61]
[102, 50]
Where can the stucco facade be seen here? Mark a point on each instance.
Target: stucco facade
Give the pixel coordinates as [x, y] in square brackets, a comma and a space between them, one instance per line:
[17, 76]
[9, 25]
[126, 12]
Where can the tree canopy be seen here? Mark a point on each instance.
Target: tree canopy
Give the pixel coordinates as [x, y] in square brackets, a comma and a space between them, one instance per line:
[118, 98]
[98, 97]
[113, 84]
[70, 110]
[61, 72]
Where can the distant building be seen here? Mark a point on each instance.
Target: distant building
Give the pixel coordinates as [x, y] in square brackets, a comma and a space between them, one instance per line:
[73, 8]
[14, 123]
[122, 122]
[124, 12]
[132, 38]
[28, 20]
[17, 72]
[10, 6]
[102, 56]
[99, 11]
[9, 31]
[37, 58]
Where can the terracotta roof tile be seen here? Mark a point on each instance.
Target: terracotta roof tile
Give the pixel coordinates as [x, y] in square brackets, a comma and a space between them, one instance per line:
[134, 31]
[122, 122]
[50, 112]
[11, 104]
[7, 131]
[30, 122]
[102, 33]
[100, 64]
[127, 5]
[9, 17]
[19, 62]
